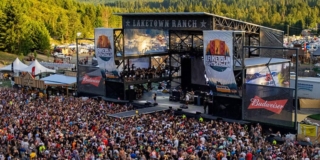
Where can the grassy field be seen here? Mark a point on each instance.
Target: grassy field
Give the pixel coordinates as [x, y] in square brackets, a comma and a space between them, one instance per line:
[8, 58]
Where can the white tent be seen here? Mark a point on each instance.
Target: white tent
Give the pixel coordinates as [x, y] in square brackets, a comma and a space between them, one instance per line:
[17, 65]
[38, 68]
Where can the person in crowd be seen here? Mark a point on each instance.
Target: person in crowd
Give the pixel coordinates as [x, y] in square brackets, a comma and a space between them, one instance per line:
[75, 128]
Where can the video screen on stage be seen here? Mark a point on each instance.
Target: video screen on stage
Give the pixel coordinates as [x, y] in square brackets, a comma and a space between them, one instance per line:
[91, 80]
[272, 75]
[268, 104]
[140, 62]
[145, 41]
[198, 71]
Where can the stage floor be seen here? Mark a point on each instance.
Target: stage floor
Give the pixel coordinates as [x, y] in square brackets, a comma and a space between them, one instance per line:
[140, 111]
[163, 102]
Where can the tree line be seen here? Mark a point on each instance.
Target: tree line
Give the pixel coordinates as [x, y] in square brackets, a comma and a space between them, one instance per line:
[29, 25]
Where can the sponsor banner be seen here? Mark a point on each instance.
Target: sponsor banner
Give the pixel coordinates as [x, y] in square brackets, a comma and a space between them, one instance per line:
[104, 50]
[218, 61]
[307, 130]
[145, 41]
[273, 75]
[268, 104]
[91, 80]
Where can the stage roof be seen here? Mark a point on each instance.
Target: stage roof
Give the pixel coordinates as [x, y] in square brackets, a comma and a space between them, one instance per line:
[191, 14]
[58, 79]
[262, 61]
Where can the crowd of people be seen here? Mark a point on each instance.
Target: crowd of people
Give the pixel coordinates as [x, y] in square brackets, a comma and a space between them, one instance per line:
[76, 128]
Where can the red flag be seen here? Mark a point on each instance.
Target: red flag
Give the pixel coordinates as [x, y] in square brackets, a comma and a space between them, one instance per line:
[33, 72]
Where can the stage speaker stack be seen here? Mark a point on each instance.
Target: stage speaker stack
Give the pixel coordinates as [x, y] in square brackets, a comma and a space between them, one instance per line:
[180, 110]
[198, 113]
[155, 104]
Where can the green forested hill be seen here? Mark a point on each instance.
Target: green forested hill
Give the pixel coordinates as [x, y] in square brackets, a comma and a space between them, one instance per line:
[27, 25]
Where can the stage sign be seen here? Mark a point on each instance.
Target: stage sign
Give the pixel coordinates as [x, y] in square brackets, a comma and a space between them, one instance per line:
[268, 104]
[91, 80]
[104, 50]
[168, 23]
[218, 61]
[272, 75]
[145, 41]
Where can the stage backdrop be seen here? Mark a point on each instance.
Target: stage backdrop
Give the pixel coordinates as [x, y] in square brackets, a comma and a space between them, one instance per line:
[218, 61]
[104, 50]
[268, 104]
[145, 41]
[91, 80]
[273, 75]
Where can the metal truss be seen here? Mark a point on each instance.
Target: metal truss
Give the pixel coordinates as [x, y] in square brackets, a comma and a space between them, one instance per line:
[186, 42]
[223, 23]
[238, 42]
[118, 45]
[118, 42]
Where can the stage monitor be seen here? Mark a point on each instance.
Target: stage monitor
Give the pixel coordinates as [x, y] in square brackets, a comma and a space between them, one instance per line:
[272, 75]
[198, 71]
[145, 41]
[268, 104]
[91, 80]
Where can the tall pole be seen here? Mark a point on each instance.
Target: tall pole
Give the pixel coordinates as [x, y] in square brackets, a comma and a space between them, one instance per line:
[296, 91]
[288, 32]
[77, 65]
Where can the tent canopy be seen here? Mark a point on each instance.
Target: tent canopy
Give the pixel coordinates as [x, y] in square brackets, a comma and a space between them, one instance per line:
[38, 68]
[17, 65]
[59, 79]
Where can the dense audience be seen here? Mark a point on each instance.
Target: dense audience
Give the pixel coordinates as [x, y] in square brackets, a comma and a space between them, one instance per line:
[75, 128]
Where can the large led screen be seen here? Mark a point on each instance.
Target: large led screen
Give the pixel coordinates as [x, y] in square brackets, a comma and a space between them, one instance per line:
[273, 75]
[91, 80]
[145, 41]
[268, 104]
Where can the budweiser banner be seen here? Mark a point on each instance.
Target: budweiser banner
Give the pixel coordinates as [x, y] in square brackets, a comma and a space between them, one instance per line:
[268, 104]
[218, 61]
[104, 50]
[91, 80]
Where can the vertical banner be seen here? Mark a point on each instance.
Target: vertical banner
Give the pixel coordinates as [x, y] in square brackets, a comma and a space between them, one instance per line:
[218, 61]
[104, 50]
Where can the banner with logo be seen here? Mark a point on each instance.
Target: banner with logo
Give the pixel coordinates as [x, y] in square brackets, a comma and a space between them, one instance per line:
[272, 75]
[104, 50]
[268, 104]
[91, 80]
[218, 61]
[307, 130]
